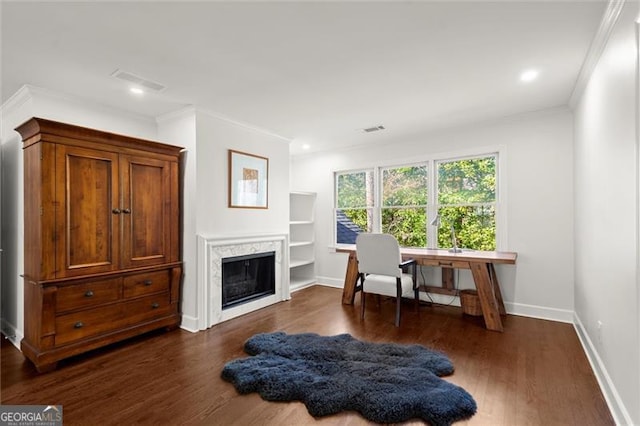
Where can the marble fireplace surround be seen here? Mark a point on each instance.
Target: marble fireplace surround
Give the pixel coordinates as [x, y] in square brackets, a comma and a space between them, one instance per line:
[211, 251]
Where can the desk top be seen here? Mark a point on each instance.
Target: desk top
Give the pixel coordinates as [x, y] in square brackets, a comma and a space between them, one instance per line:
[477, 256]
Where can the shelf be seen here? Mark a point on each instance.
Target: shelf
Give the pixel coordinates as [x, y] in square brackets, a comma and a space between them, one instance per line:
[298, 283]
[300, 243]
[301, 239]
[294, 263]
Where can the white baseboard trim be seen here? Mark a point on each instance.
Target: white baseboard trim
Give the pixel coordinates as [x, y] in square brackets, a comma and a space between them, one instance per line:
[295, 288]
[520, 309]
[189, 323]
[540, 312]
[11, 333]
[616, 406]
[330, 282]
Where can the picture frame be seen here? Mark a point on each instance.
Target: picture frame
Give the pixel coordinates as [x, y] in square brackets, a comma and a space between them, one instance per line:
[248, 180]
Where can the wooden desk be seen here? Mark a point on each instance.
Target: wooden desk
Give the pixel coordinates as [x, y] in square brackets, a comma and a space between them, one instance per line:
[481, 264]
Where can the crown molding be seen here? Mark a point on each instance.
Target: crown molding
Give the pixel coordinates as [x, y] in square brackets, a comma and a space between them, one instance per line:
[599, 42]
[193, 110]
[440, 131]
[23, 95]
[243, 124]
[186, 111]
[29, 92]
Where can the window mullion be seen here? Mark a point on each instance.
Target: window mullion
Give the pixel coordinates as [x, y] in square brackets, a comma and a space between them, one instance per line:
[377, 213]
[432, 206]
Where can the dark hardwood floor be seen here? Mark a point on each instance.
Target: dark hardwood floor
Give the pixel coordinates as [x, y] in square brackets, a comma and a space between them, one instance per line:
[535, 373]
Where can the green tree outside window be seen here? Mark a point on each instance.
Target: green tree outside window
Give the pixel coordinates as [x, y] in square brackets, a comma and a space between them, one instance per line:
[466, 200]
[464, 195]
[354, 203]
[404, 204]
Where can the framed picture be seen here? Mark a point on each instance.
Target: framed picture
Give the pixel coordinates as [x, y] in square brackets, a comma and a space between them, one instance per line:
[248, 180]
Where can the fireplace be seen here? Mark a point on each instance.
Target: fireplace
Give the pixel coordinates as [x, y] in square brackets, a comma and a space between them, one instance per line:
[213, 256]
[246, 278]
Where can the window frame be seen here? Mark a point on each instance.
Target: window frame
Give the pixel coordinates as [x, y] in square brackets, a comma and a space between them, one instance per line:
[500, 154]
[436, 184]
[381, 207]
[374, 190]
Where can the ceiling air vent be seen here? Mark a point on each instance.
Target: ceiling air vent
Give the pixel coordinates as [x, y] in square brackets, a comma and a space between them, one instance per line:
[132, 78]
[373, 129]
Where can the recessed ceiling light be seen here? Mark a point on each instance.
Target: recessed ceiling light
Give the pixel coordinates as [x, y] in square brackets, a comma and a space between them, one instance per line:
[306, 146]
[136, 90]
[529, 75]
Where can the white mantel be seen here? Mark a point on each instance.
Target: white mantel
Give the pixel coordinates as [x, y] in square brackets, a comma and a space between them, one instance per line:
[211, 251]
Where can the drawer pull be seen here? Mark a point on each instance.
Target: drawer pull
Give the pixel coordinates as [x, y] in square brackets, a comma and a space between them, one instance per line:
[89, 293]
[126, 211]
[79, 324]
[155, 305]
[147, 282]
[116, 211]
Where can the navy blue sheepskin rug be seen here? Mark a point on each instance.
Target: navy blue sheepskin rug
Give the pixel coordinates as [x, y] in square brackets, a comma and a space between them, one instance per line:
[385, 382]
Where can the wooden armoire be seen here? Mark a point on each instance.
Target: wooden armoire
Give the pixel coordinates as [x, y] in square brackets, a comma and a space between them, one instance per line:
[101, 239]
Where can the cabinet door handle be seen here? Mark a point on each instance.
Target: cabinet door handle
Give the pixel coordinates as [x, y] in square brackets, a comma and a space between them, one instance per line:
[115, 211]
[147, 282]
[89, 293]
[155, 306]
[79, 324]
[126, 211]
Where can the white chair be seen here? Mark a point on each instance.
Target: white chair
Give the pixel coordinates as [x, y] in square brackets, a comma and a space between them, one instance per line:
[380, 269]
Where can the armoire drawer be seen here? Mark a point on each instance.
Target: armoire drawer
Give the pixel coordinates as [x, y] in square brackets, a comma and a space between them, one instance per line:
[148, 283]
[92, 322]
[88, 294]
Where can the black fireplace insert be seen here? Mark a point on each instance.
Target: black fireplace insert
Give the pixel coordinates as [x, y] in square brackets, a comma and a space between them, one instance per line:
[247, 277]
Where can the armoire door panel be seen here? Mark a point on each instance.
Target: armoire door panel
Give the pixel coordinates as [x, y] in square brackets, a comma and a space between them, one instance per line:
[147, 201]
[87, 194]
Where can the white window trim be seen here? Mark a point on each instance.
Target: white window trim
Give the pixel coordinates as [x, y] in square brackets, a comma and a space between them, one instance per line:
[374, 226]
[500, 151]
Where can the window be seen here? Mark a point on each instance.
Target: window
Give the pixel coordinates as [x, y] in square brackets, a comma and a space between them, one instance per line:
[404, 204]
[403, 201]
[467, 203]
[354, 205]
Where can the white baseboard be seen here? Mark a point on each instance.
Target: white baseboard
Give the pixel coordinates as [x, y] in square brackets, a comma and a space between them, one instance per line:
[295, 288]
[330, 282]
[11, 333]
[531, 311]
[540, 312]
[616, 406]
[189, 323]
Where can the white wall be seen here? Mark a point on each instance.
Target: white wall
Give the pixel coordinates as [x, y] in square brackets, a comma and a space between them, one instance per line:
[180, 128]
[204, 178]
[207, 139]
[34, 102]
[538, 202]
[606, 219]
[215, 137]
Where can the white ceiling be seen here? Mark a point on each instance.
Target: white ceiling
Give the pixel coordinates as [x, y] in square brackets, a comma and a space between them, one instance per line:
[314, 72]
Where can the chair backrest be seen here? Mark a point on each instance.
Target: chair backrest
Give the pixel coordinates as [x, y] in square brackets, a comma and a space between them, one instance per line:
[378, 254]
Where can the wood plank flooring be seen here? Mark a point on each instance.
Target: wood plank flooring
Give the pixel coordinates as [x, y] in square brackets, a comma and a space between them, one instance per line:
[535, 373]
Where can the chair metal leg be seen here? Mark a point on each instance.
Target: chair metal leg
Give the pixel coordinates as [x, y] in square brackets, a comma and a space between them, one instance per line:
[398, 301]
[362, 299]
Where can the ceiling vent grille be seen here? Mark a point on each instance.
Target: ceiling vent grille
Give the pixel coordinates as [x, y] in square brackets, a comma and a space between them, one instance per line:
[373, 129]
[142, 82]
